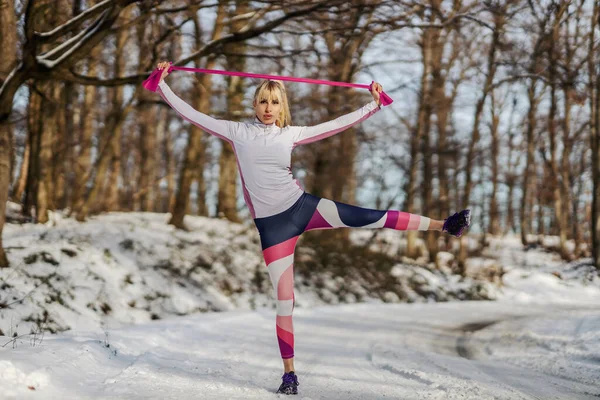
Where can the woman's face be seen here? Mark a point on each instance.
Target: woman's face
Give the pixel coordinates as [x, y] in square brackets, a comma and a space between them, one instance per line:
[267, 109]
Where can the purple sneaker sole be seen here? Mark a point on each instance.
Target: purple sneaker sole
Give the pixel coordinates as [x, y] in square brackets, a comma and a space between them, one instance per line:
[457, 223]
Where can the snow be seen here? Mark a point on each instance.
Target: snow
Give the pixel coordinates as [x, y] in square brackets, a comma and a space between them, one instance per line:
[134, 303]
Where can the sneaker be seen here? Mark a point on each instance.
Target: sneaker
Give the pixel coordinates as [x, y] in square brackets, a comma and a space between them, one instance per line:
[456, 224]
[289, 384]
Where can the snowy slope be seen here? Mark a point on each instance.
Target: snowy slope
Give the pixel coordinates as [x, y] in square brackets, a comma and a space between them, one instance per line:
[123, 268]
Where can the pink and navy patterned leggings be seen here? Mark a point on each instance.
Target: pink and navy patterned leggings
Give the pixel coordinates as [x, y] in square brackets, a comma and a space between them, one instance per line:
[279, 234]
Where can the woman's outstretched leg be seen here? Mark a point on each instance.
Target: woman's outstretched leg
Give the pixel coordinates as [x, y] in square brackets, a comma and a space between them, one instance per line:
[329, 214]
[332, 214]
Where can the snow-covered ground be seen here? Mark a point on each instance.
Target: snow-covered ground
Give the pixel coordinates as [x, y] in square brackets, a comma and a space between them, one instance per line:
[364, 351]
[107, 279]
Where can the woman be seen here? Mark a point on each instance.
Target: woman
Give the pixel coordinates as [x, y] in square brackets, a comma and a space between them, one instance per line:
[281, 210]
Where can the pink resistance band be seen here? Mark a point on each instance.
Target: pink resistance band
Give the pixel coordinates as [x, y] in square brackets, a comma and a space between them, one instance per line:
[152, 82]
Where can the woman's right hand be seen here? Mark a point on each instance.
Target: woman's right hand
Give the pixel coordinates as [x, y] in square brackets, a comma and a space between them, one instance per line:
[164, 65]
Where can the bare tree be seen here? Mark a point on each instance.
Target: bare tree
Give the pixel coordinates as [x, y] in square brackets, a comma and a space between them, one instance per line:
[83, 160]
[193, 159]
[553, 162]
[8, 38]
[510, 173]
[499, 10]
[228, 172]
[49, 65]
[111, 199]
[494, 225]
[347, 32]
[427, 43]
[594, 91]
[534, 69]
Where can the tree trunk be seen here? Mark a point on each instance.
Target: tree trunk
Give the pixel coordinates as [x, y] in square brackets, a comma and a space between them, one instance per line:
[494, 226]
[510, 174]
[88, 115]
[22, 179]
[126, 197]
[162, 137]
[553, 134]
[194, 150]
[436, 49]
[147, 148]
[227, 196]
[147, 130]
[59, 148]
[595, 139]
[443, 107]
[110, 131]
[46, 187]
[70, 91]
[8, 61]
[204, 92]
[525, 216]
[415, 141]
[34, 128]
[203, 96]
[111, 200]
[489, 79]
[4, 182]
[60, 151]
[170, 164]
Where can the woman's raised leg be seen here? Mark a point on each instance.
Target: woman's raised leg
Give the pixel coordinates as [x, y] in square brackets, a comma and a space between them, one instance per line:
[332, 214]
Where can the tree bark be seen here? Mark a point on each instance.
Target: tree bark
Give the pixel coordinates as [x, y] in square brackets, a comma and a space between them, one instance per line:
[112, 193]
[50, 109]
[8, 62]
[525, 210]
[84, 158]
[594, 91]
[8, 38]
[227, 196]
[415, 142]
[499, 21]
[147, 128]
[511, 176]
[553, 134]
[170, 164]
[494, 215]
[100, 167]
[21, 181]
[194, 151]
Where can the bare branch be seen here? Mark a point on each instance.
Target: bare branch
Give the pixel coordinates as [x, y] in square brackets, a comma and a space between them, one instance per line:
[73, 23]
[86, 40]
[210, 48]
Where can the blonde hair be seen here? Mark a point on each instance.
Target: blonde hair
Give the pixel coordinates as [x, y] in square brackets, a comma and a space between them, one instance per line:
[268, 90]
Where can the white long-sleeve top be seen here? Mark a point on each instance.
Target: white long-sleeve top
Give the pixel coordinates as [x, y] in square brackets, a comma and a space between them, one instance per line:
[264, 152]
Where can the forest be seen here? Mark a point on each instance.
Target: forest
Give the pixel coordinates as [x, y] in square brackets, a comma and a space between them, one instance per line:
[497, 109]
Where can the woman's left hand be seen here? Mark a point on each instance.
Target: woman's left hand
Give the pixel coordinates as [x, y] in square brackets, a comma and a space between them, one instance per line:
[376, 88]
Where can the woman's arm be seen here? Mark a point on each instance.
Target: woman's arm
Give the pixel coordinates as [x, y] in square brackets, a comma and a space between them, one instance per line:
[309, 134]
[220, 128]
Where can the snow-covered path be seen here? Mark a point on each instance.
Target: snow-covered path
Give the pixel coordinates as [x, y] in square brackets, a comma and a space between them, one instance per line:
[361, 351]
